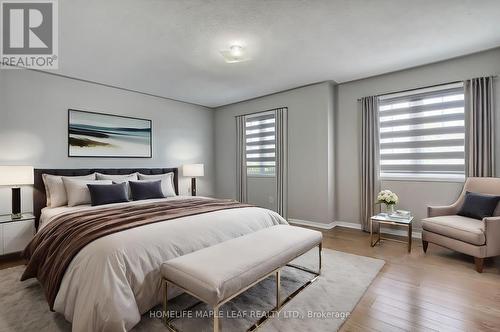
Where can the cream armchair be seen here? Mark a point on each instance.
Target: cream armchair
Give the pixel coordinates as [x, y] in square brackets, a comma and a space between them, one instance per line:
[478, 238]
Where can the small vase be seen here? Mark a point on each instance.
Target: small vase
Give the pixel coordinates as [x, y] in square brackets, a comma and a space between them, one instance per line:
[389, 209]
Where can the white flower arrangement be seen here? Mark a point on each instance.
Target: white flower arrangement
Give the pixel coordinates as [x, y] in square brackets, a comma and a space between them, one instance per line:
[387, 197]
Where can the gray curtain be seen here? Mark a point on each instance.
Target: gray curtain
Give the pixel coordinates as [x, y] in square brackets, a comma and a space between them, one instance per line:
[370, 159]
[241, 171]
[281, 116]
[480, 129]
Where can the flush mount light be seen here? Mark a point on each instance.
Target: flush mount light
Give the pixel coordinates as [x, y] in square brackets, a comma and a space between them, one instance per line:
[235, 53]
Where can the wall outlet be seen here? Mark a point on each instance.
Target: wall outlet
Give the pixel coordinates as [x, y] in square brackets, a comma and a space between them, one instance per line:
[271, 199]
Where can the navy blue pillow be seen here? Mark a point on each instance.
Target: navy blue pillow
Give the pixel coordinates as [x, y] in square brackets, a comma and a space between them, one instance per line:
[101, 194]
[478, 206]
[146, 190]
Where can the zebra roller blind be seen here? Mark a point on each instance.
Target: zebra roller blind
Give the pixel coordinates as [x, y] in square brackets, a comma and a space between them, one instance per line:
[260, 137]
[422, 134]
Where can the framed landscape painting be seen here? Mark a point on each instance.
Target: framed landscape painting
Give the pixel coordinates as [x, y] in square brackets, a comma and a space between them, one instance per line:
[101, 135]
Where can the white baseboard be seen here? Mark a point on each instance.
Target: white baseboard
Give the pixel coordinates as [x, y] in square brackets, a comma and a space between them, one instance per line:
[348, 224]
[312, 223]
[331, 225]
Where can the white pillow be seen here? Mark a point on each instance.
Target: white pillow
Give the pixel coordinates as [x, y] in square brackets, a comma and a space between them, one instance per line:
[167, 182]
[55, 190]
[78, 192]
[116, 178]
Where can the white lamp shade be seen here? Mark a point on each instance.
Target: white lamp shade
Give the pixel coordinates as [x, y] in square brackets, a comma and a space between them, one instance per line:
[16, 175]
[193, 170]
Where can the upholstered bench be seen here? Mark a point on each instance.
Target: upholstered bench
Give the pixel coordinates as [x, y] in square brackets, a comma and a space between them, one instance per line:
[219, 273]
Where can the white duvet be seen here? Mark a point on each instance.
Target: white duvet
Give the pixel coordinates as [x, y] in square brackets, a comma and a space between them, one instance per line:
[115, 279]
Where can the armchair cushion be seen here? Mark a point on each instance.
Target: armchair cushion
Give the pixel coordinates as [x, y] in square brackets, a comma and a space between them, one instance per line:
[478, 206]
[457, 227]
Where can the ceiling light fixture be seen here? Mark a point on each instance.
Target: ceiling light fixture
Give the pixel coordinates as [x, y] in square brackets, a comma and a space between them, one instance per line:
[235, 53]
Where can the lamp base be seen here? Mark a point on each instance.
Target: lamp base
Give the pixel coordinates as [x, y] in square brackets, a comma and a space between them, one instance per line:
[193, 186]
[16, 203]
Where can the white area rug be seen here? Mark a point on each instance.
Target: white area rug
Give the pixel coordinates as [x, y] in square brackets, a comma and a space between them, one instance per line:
[323, 306]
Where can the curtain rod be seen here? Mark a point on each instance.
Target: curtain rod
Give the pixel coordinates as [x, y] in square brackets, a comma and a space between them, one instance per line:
[269, 110]
[424, 87]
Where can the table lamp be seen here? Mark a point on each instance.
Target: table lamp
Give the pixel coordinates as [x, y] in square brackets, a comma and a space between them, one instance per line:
[16, 176]
[193, 171]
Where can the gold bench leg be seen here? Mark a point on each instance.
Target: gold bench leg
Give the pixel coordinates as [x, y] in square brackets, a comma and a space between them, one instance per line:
[278, 290]
[216, 319]
[165, 299]
[320, 250]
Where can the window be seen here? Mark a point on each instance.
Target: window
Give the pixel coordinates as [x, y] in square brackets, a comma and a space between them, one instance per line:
[422, 134]
[260, 145]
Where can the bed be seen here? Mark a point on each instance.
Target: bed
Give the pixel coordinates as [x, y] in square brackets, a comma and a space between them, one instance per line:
[115, 279]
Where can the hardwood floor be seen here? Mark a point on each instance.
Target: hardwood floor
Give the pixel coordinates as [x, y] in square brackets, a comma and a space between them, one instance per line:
[10, 260]
[437, 291]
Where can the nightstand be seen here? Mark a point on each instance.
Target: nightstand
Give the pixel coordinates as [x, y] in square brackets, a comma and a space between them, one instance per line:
[15, 234]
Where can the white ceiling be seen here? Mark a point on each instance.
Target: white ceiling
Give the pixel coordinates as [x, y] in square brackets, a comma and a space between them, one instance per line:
[171, 47]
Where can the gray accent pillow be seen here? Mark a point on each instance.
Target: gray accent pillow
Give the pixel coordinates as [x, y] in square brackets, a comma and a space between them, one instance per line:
[101, 194]
[146, 190]
[478, 206]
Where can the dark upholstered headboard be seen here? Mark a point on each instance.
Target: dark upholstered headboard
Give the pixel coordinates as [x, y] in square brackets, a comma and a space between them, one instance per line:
[40, 200]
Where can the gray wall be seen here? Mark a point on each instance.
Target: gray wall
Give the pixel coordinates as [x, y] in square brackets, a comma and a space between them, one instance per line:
[315, 156]
[323, 143]
[33, 127]
[414, 196]
[310, 144]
